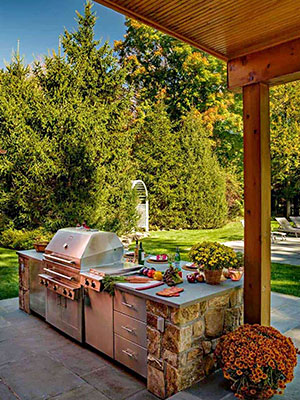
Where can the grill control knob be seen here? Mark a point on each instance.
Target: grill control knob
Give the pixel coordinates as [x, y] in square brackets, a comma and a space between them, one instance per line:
[55, 287]
[87, 282]
[70, 294]
[64, 291]
[93, 285]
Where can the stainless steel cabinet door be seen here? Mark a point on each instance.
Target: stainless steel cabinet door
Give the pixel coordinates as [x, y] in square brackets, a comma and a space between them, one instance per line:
[98, 313]
[37, 291]
[65, 314]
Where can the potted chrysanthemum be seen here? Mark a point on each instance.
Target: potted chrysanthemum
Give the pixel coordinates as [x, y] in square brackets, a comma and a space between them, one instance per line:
[212, 257]
[257, 360]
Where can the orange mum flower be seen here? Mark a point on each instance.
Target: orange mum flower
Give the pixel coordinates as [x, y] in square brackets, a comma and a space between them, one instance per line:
[258, 360]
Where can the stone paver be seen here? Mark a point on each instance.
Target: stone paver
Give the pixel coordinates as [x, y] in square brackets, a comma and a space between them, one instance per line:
[5, 392]
[115, 383]
[39, 363]
[84, 392]
[38, 377]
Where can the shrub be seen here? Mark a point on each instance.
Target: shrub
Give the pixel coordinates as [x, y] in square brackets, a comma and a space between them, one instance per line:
[234, 196]
[258, 360]
[21, 239]
[214, 256]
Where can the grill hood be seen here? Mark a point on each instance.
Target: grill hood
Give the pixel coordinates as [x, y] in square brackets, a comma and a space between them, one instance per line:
[89, 247]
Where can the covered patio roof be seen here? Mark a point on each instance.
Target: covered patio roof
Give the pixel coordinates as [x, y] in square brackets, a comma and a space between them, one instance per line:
[260, 41]
[226, 29]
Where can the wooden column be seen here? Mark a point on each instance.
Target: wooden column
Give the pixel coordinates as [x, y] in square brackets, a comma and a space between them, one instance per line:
[257, 191]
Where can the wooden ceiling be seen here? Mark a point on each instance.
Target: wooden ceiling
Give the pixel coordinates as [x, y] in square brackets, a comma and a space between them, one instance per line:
[224, 28]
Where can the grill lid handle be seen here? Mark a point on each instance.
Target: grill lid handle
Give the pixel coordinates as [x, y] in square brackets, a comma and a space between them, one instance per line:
[59, 259]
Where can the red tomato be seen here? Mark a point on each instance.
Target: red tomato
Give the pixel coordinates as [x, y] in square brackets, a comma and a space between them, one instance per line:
[151, 273]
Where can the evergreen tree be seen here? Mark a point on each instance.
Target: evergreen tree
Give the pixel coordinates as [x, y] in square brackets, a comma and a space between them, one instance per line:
[70, 123]
[156, 150]
[26, 168]
[201, 179]
[185, 182]
[187, 79]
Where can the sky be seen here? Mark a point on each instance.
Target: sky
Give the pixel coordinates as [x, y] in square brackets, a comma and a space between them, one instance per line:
[38, 24]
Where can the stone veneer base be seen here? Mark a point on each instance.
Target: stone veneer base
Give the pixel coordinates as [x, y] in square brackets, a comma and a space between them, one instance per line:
[182, 354]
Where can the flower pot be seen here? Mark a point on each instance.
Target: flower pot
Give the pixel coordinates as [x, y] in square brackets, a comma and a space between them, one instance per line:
[213, 277]
[40, 247]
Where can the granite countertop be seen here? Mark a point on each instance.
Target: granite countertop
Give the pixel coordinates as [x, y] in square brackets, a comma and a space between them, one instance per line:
[31, 254]
[193, 292]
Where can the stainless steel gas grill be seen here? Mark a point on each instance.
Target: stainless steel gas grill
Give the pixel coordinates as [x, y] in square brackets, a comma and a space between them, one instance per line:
[71, 252]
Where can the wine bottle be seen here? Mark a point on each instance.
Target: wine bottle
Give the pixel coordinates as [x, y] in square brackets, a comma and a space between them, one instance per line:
[141, 254]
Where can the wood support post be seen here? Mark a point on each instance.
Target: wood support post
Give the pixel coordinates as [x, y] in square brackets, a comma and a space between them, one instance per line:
[257, 180]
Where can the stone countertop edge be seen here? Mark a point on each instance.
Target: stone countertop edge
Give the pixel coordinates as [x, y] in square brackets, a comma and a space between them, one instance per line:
[31, 254]
[192, 294]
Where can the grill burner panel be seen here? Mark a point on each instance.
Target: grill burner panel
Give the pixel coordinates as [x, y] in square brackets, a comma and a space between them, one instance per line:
[69, 290]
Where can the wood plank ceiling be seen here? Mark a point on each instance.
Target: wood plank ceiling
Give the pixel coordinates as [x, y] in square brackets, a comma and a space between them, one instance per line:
[224, 28]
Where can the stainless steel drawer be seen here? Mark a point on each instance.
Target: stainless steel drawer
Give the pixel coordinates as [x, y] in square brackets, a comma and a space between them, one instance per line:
[130, 328]
[131, 355]
[130, 305]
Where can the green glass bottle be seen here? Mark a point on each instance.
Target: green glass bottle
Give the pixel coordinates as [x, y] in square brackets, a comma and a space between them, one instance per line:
[177, 259]
[141, 254]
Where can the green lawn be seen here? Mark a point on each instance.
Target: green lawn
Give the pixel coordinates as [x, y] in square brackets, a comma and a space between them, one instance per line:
[167, 241]
[286, 279]
[8, 274]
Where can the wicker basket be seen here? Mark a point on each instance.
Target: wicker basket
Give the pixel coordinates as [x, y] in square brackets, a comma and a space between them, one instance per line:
[213, 277]
[40, 247]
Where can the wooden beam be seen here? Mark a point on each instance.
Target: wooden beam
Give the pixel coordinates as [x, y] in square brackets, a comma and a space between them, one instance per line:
[275, 65]
[257, 196]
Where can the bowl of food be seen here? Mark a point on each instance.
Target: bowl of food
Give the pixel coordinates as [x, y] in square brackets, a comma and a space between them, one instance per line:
[40, 246]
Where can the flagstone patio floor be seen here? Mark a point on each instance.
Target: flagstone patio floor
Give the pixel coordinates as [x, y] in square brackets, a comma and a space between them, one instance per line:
[37, 362]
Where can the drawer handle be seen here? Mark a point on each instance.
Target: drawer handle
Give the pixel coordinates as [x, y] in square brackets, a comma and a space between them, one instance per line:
[127, 304]
[131, 355]
[127, 329]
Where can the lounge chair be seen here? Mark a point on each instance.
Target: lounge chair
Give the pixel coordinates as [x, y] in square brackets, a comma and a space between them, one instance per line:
[274, 234]
[286, 227]
[296, 221]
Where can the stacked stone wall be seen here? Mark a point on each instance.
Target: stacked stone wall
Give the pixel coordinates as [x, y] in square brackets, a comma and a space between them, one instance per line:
[182, 353]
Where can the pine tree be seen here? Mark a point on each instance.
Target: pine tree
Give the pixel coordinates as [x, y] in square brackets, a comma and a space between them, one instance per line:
[66, 126]
[156, 150]
[91, 110]
[202, 179]
[24, 171]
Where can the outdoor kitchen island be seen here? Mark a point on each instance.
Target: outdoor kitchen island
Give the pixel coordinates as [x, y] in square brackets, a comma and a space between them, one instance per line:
[170, 341]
